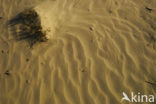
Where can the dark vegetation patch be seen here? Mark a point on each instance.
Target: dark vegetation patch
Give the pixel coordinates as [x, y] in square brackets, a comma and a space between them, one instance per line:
[27, 26]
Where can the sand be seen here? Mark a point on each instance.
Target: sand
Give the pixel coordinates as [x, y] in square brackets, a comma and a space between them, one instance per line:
[97, 49]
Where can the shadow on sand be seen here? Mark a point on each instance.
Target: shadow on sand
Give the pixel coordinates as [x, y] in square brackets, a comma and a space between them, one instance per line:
[27, 26]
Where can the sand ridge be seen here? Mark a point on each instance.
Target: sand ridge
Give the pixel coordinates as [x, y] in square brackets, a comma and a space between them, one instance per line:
[97, 49]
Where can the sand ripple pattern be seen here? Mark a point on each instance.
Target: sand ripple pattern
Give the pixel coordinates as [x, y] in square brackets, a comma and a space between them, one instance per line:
[98, 49]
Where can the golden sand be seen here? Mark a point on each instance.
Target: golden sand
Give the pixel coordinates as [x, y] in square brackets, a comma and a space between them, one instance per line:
[96, 50]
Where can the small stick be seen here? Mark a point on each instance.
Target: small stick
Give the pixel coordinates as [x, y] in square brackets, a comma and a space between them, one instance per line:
[150, 83]
[149, 9]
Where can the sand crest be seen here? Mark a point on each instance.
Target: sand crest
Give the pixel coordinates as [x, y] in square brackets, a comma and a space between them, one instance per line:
[96, 50]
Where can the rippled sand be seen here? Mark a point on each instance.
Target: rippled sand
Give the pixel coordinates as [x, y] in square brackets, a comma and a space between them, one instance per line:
[97, 50]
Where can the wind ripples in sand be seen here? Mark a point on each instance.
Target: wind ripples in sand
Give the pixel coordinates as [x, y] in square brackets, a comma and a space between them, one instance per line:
[96, 50]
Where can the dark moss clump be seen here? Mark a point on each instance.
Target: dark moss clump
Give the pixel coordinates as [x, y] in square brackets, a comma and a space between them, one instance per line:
[27, 26]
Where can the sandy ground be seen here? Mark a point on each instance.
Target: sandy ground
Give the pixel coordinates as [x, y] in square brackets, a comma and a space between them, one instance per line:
[97, 50]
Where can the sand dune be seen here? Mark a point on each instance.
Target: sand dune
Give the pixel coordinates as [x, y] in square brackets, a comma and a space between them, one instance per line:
[96, 50]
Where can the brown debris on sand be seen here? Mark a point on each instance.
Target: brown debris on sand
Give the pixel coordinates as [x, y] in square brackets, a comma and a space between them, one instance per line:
[148, 9]
[30, 28]
[7, 73]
